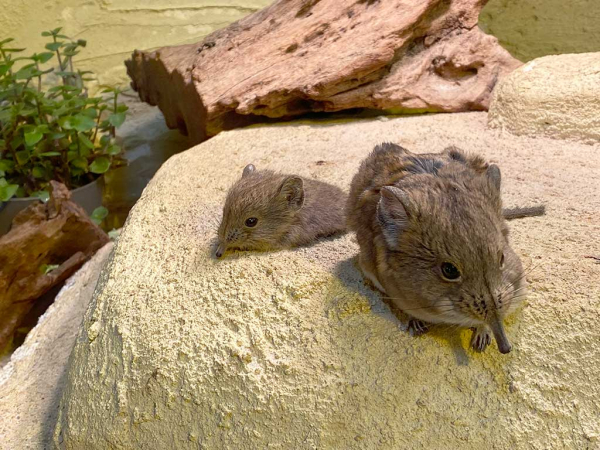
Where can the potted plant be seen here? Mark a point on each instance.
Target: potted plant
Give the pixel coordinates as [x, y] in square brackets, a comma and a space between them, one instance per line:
[53, 130]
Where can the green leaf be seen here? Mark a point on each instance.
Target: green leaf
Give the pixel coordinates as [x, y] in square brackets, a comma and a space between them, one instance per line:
[6, 41]
[4, 68]
[57, 135]
[38, 172]
[7, 191]
[90, 112]
[50, 154]
[85, 141]
[14, 50]
[44, 57]
[47, 268]
[53, 46]
[100, 165]
[46, 33]
[113, 234]
[71, 155]
[99, 214]
[84, 123]
[25, 73]
[17, 141]
[33, 137]
[117, 119]
[113, 150]
[7, 165]
[104, 140]
[22, 157]
[67, 122]
[70, 52]
[42, 195]
[78, 122]
[80, 163]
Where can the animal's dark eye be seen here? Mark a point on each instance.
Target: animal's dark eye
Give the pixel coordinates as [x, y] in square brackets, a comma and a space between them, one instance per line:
[251, 222]
[450, 272]
[502, 261]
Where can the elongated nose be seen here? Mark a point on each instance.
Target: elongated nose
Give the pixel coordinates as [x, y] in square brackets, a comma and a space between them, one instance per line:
[220, 250]
[500, 335]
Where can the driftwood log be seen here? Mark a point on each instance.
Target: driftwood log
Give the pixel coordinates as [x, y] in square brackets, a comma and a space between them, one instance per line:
[56, 233]
[297, 56]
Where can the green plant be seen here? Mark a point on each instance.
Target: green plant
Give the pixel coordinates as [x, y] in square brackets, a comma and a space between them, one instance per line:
[53, 133]
[99, 214]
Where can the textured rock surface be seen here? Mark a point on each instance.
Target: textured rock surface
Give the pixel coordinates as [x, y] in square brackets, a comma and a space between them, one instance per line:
[32, 380]
[298, 56]
[291, 350]
[554, 96]
[58, 232]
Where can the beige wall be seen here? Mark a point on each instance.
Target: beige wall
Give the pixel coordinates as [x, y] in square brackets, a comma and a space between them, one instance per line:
[113, 28]
[532, 28]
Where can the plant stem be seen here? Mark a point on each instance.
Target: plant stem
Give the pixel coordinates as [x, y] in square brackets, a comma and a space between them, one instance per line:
[10, 72]
[97, 126]
[37, 66]
[60, 64]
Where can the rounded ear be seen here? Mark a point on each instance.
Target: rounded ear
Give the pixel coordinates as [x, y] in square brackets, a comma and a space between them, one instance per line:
[455, 153]
[292, 192]
[494, 176]
[248, 170]
[392, 214]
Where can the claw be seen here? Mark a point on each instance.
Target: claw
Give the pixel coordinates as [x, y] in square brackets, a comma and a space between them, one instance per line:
[417, 327]
[482, 337]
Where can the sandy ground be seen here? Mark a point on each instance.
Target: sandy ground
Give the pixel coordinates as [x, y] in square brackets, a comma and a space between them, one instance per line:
[167, 315]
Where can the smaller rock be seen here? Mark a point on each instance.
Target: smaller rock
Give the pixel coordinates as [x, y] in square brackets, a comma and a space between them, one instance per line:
[554, 96]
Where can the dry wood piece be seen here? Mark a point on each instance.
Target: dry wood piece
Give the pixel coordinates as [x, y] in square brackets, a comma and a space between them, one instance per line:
[297, 56]
[56, 233]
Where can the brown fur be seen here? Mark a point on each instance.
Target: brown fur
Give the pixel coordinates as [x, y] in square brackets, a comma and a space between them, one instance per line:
[412, 213]
[291, 212]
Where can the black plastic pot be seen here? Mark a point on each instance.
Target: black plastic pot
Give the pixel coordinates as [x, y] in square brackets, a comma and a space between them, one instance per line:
[88, 196]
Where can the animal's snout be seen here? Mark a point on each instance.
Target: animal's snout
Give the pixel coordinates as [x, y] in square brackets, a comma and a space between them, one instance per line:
[500, 335]
[220, 250]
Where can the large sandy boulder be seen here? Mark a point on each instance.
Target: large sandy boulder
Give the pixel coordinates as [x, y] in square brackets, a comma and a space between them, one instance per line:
[290, 350]
[554, 96]
[33, 377]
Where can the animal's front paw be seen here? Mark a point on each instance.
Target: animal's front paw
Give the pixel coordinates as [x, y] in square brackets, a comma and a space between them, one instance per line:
[482, 337]
[417, 327]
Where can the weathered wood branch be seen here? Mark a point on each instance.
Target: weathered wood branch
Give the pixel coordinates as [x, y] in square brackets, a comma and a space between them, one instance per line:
[56, 233]
[297, 56]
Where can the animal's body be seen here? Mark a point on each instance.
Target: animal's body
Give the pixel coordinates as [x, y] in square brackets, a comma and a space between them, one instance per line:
[265, 210]
[433, 238]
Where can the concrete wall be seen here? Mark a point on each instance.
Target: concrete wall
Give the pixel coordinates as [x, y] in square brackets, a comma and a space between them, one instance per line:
[113, 28]
[533, 28]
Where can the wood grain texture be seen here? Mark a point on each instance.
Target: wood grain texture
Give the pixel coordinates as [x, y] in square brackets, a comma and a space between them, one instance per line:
[298, 56]
[58, 232]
